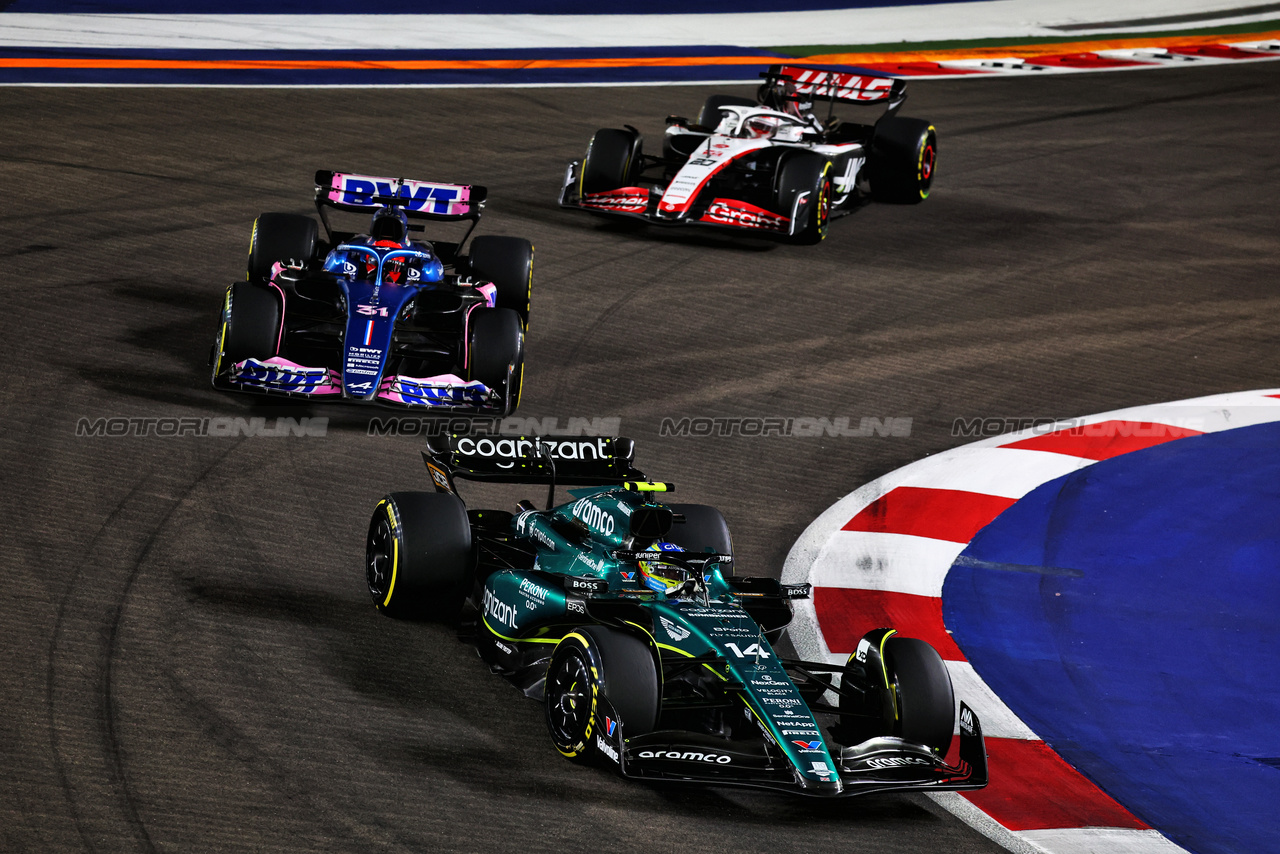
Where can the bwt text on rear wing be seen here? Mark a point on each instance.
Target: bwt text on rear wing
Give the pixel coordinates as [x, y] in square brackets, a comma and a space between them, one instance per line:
[817, 84]
[418, 199]
[567, 460]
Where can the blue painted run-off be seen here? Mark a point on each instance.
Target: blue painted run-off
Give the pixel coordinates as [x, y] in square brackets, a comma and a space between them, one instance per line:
[1146, 649]
[428, 7]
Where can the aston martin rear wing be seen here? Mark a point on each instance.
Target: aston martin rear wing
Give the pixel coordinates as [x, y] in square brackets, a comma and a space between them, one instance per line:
[564, 460]
[820, 84]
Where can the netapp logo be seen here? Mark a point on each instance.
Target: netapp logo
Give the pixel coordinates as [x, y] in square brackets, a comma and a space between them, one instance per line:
[594, 516]
[687, 756]
[523, 449]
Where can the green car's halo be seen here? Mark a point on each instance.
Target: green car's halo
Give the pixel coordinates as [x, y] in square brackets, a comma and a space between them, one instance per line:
[620, 611]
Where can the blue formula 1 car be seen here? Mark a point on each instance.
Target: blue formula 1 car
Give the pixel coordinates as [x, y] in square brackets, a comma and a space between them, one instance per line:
[378, 317]
[620, 612]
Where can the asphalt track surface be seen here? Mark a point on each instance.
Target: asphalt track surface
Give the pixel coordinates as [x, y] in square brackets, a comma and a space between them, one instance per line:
[191, 659]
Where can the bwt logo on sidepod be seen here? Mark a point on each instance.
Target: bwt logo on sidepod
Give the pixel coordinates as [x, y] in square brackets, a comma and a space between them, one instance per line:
[594, 516]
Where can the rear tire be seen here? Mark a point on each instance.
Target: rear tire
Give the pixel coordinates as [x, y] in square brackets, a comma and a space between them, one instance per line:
[926, 700]
[250, 326]
[590, 663]
[418, 559]
[495, 353]
[903, 157]
[812, 173]
[280, 237]
[709, 117]
[613, 160]
[703, 527]
[508, 263]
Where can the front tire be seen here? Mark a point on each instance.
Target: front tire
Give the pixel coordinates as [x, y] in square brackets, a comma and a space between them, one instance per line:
[508, 263]
[800, 173]
[251, 325]
[280, 237]
[614, 159]
[495, 353]
[590, 663]
[903, 157]
[418, 559]
[925, 697]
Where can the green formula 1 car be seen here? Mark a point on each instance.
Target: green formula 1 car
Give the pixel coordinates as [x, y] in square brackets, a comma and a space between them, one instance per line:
[620, 611]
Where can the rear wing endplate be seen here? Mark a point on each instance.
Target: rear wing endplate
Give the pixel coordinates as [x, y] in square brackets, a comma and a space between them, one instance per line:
[418, 199]
[567, 460]
[819, 84]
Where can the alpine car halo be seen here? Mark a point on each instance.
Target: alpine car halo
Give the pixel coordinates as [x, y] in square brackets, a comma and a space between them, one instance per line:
[377, 317]
[621, 614]
[770, 165]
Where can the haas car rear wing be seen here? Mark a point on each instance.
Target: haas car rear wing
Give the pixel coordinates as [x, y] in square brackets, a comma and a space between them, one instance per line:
[568, 460]
[816, 84]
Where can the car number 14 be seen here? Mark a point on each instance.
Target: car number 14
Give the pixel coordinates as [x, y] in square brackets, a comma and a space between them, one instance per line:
[753, 651]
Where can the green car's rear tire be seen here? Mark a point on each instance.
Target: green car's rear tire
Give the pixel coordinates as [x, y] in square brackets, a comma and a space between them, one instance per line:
[418, 560]
[590, 663]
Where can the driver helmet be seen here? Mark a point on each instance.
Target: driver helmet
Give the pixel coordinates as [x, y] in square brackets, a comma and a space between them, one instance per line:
[760, 127]
[662, 577]
[390, 227]
[398, 269]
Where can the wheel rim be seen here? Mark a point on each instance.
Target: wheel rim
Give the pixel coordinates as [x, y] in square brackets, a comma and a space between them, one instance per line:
[568, 693]
[823, 212]
[928, 157]
[379, 556]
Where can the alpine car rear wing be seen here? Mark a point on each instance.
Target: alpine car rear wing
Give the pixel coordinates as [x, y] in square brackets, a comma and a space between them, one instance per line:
[819, 84]
[567, 460]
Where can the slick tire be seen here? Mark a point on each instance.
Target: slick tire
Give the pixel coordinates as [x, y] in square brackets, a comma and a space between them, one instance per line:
[613, 160]
[902, 160]
[589, 664]
[495, 354]
[508, 263]
[709, 117]
[925, 698]
[703, 527]
[250, 327]
[806, 172]
[280, 237]
[418, 560]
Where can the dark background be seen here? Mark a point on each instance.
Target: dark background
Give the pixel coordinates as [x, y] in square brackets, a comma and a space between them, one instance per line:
[191, 659]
